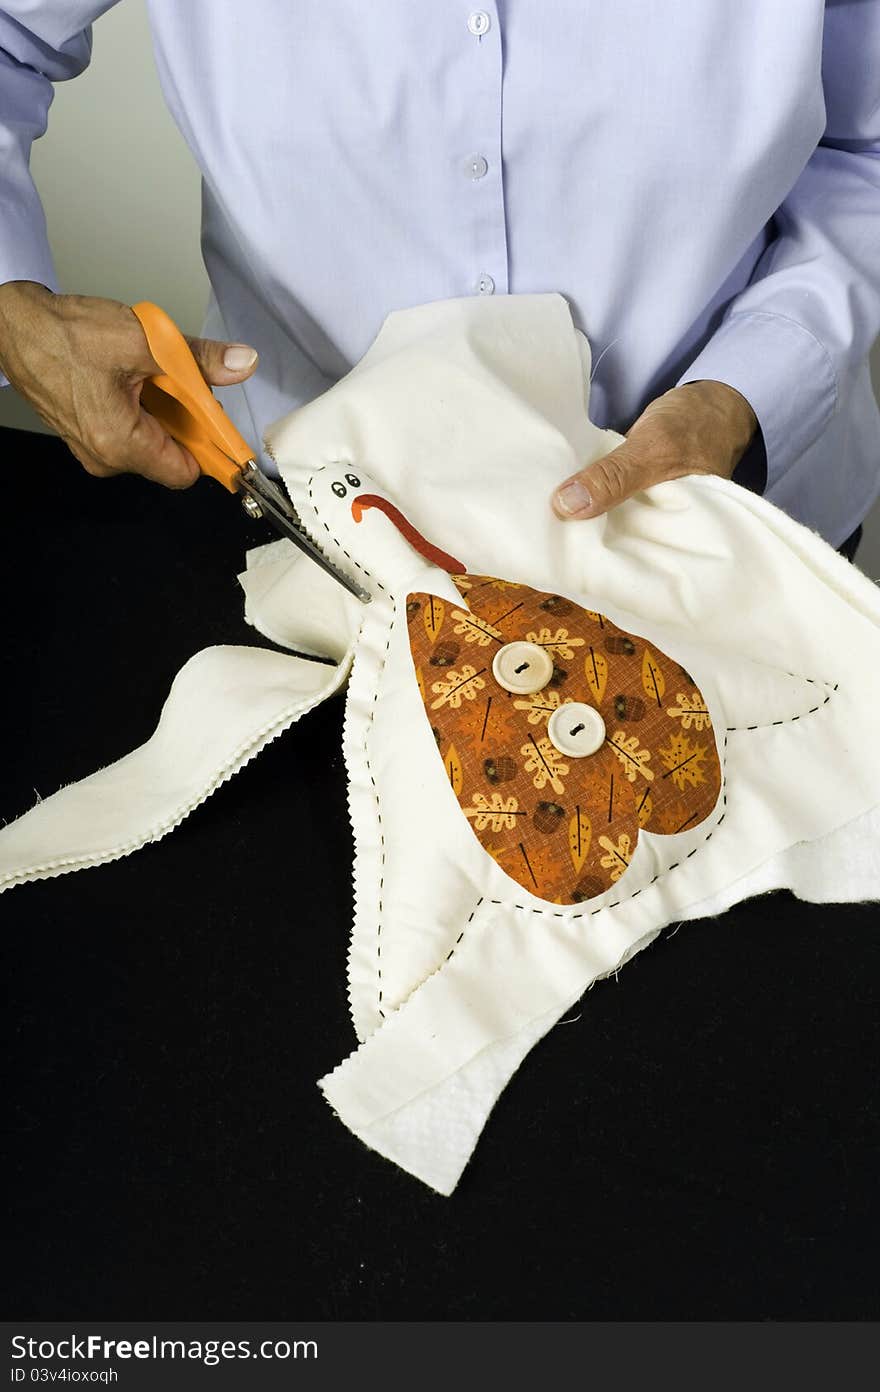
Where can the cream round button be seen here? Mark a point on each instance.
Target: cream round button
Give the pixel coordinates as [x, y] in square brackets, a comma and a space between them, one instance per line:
[576, 729]
[522, 668]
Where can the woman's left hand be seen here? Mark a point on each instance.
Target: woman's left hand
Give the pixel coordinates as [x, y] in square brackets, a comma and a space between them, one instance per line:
[700, 428]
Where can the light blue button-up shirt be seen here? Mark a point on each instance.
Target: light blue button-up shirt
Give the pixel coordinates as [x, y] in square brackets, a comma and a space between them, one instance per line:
[701, 180]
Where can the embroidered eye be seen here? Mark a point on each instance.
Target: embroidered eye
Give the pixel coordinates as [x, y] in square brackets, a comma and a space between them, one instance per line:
[339, 489]
[353, 480]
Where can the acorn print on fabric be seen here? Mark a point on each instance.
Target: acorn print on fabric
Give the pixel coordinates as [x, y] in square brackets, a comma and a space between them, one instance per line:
[561, 735]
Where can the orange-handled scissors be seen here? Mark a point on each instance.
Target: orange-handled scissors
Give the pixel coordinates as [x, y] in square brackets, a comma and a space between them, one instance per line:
[181, 400]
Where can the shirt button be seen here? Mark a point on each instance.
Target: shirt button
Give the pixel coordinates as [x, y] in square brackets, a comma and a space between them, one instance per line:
[479, 23]
[485, 285]
[475, 166]
[576, 729]
[522, 668]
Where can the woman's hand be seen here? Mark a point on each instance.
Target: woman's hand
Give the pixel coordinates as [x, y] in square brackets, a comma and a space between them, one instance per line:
[81, 362]
[700, 428]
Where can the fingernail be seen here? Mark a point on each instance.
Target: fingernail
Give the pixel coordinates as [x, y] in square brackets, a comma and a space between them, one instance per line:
[239, 356]
[572, 497]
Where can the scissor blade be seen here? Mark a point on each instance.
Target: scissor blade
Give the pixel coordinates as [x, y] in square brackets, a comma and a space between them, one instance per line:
[280, 514]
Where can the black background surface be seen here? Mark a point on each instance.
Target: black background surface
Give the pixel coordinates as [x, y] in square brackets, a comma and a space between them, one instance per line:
[700, 1143]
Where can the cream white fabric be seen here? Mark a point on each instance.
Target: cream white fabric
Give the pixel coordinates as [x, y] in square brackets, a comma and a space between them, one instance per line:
[225, 705]
[465, 414]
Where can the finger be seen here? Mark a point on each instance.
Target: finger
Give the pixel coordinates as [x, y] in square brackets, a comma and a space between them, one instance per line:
[223, 364]
[605, 483]
[156, 456]
[139, 445]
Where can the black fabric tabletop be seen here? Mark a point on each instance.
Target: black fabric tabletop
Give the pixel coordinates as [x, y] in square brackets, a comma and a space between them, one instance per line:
[698, 1140]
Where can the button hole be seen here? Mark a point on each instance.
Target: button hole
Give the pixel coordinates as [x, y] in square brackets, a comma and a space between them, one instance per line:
[521, 668]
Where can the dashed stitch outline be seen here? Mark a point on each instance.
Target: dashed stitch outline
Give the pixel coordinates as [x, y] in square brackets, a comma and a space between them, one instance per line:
[367, 728]
[789, 720]
[591, 913]
[345, 553]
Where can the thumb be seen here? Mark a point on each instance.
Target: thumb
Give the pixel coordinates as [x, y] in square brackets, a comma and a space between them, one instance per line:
[602, 485]
[223, 364]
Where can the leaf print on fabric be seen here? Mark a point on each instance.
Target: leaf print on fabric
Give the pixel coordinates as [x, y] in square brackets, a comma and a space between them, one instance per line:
[559, 644]
[474, 629]
[644, 808]
[618, 855]
[540, 706]
[580, 834]
[497, 852]
[495, 812]
[503, 586]
[631, 754]
[433, 611]
[454, 769]
[460, 685]
[596, 670]
[544, 761]
[684, 761]
[653, 680]
[466, 583]
[690, 710]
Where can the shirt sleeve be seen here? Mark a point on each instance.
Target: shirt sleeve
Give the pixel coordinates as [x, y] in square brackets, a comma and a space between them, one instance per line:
[40, 44]
[793, 342]
[32, 57]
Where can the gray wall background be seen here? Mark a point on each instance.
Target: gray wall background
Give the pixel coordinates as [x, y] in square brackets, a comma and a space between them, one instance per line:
[110, 145]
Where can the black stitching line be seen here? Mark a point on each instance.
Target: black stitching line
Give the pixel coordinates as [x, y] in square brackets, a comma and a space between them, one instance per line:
[357, 565]
[464, 929]
[367, 729]
[792, 718]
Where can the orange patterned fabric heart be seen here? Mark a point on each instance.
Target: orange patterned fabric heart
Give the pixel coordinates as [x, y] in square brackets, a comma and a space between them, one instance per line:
[564, 828]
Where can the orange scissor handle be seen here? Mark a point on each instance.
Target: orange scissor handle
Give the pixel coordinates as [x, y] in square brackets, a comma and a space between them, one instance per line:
[181, 399]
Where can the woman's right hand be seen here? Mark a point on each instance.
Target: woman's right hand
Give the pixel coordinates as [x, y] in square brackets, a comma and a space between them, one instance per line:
[81, 361]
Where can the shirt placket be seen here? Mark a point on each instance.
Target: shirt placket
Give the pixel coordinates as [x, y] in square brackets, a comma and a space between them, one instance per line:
[482, 173]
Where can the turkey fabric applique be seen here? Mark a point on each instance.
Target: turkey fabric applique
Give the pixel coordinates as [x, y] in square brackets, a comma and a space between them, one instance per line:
[559, 737]
[555, 730]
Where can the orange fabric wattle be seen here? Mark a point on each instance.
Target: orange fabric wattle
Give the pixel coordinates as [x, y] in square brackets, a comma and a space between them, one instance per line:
[425, 548]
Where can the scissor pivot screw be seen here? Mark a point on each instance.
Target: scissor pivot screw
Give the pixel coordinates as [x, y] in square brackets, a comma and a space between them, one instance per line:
[252, 507]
